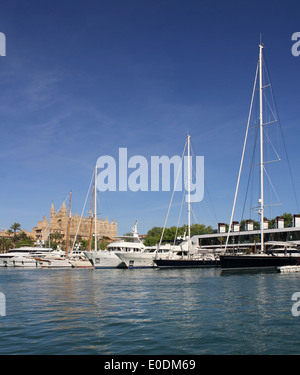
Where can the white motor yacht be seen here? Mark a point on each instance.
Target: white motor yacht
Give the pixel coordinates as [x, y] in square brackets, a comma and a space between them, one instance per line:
[78, 259]
[22, 261]
[108, 258]
[145, 258]
[54, 260]
[24, 251]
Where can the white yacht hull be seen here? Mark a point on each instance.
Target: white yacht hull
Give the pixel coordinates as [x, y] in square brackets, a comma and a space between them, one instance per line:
[26, 252]
[145, 259]
[54, 263]
[137, 260]
[104, 259]
[81, 263]
[3, 262]
[22, 262]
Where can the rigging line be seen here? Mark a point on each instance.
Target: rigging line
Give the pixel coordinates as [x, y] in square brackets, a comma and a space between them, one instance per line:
[273, 188]
[272, 113]
[210, 201]
[291, 175]
[269, 171]
[249, 176]
[284, 144]
[183, 195]
[180, 167]
[55, 217]
[193, 212]
[270, 109]
[269, 106]
[273, 147]
[276, 115]
[193, 170]
[67, 196]
[83, 211]
[242, 159]
[206, 190]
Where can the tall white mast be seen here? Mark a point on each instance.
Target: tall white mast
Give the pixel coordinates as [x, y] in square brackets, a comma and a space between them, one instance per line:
[189, 190]
[95, 215]
[261, 149]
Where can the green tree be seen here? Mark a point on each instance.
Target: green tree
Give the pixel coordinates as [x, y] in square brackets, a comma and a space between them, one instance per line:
[15, 226]
[154, 234]
[288, 220]
[197, 229]
[22, 239]
[5, 244]
[103, 244]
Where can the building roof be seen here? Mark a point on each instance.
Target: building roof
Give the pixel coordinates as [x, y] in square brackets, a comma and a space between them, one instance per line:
[247, 232]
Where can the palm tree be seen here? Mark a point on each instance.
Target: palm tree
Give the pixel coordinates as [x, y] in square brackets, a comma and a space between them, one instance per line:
[5, 244]
[15, 227]
[56, 237]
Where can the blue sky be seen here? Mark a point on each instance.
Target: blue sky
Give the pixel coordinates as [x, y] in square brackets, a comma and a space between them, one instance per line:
[81, 79]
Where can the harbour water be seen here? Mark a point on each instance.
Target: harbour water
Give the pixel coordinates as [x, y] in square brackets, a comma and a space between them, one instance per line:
[148, 312]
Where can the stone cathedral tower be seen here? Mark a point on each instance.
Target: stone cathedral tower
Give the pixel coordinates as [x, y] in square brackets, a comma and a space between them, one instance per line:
[59, 222]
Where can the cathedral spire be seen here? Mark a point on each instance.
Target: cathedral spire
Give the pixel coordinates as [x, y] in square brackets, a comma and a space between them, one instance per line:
[63, 210]
[52, 211]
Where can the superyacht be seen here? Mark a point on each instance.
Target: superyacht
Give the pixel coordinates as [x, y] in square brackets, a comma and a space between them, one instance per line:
[109, 258]
[7, 259]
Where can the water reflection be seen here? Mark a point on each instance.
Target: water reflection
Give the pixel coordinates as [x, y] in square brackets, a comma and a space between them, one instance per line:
[188, 311]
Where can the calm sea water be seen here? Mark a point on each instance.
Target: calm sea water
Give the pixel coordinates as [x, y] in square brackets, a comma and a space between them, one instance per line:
[166, 312]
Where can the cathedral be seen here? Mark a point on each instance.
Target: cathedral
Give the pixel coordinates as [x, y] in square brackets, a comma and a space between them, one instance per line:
[59, 224]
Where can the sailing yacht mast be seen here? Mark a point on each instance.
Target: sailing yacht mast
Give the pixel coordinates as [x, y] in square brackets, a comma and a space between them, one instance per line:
[189, 190]
[261, 150]
[68, 228]
[91, 227]
[95, 215]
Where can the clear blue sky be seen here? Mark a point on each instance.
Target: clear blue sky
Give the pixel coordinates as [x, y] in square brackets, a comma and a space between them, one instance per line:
[82, 78]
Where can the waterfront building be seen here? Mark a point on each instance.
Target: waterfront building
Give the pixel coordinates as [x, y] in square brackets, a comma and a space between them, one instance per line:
[59, 222]
[249, 239]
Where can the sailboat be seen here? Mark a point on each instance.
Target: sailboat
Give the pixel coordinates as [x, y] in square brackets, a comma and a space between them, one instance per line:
[189, 256]
[76, 258]
[107, 258]
[264, 259]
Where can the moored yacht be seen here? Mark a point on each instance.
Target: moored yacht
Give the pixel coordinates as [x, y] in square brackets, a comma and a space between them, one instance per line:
[146, 257]
[78, 259]
[189, 256]
[271, 259]
[24, 252]
[108, 258]
[55, 259]
[23, 261]
[265, 258]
